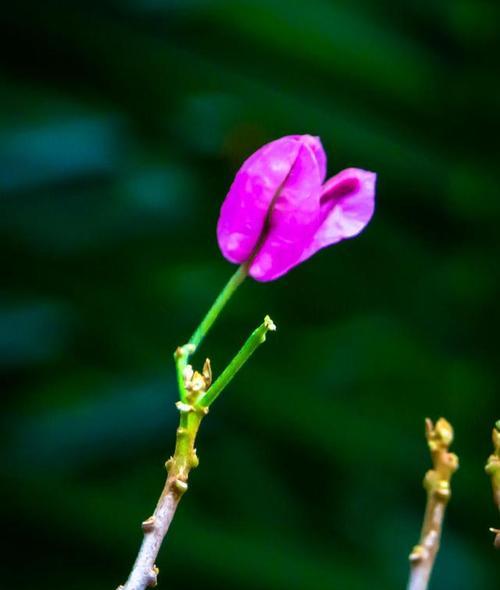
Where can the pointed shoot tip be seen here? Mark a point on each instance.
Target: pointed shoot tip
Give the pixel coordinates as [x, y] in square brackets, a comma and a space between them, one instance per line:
[269, 324]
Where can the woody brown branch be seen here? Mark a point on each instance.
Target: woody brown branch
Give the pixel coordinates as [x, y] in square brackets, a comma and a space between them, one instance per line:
[144, 572]
[437, 485]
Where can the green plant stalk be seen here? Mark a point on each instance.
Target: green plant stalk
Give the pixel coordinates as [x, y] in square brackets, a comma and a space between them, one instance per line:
[196, 394]
[257, 338]
[218, 305]
[183, 353]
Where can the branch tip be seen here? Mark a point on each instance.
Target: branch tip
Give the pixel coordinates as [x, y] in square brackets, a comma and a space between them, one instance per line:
[437, 484]
[269, 324]
[256, 338]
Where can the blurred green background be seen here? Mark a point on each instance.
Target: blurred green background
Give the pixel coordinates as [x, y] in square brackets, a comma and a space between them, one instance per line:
[122, 125]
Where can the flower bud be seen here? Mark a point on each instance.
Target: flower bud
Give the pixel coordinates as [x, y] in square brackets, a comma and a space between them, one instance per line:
[278, 212]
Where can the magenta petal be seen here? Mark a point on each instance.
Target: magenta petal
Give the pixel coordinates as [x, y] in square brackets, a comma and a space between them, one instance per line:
[317, 148]
[293, 220]
[347, 204]
[247, 204]
[278, 213]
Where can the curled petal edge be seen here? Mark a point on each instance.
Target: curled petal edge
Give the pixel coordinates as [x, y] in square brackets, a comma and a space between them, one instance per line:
[347, 204]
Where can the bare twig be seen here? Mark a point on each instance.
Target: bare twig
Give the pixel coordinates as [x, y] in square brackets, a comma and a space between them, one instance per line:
[155, 528]
[493, 470]
[437, 484]
[144, 572]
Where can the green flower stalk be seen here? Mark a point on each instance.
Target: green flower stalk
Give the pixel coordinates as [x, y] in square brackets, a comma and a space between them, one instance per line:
[493, 470]
[183, 353]
[278, 213]
[196, 395]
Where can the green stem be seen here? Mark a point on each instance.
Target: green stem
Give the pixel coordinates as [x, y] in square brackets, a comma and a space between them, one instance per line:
[183, 353]
[257, 337]
[223, 297]
[193, 408]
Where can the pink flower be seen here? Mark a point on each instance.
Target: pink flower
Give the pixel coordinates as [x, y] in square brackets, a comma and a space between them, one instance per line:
[279, 211]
